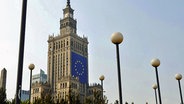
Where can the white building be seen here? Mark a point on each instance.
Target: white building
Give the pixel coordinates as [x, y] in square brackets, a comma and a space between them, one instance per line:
[39, 78]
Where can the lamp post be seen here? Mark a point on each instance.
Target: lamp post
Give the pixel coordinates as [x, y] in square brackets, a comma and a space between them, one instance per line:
[31, 67]
[117, 38]
[21, 53]
[179, 77]
[155, 63]
[154, 86]
[101, 79]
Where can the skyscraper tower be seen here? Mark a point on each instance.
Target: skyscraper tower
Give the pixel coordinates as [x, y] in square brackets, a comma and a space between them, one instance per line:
[67, 59]
[3, 78]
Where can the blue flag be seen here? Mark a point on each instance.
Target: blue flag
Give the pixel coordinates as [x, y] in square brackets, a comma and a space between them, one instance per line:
[80, 67]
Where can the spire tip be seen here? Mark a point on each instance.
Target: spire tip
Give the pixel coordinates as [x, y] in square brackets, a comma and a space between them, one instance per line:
[68, 3]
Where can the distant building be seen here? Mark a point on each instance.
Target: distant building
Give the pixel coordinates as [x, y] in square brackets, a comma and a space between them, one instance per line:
[3, 78]
[39, 78]
[39, 86]
[94, 90]
[39, 90]
[24, 95]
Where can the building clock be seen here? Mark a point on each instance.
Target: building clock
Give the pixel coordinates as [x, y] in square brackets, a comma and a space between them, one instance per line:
[68, 15]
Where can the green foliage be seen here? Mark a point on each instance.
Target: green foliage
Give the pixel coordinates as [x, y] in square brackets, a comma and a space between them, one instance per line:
[74, 99]
[3, 96]
[25, 102]
[116, 102]
[63, 102]
[47, 99]
[97, 99]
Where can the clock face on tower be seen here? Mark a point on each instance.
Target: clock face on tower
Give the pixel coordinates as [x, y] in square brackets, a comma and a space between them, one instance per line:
[66, 15]
[79, 67]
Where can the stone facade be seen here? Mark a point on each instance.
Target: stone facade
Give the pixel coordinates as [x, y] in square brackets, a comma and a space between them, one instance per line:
[39, 90]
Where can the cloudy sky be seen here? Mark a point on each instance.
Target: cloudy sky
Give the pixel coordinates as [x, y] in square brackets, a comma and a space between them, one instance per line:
[151, 28]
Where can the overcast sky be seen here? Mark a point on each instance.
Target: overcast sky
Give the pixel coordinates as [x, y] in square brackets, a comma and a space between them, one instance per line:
[151, 28]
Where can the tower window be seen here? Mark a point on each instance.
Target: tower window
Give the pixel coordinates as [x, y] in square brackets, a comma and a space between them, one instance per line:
[71, 42]
[59, 45]
[64, 43]
[54, 46]
[65, 85]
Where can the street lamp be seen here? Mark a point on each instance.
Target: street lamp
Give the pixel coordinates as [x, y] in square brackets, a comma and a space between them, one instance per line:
[117, 38]
[101, 79]
[154, 86]
[179, 77]
[155, 63]
[31, 67]
[21, 53]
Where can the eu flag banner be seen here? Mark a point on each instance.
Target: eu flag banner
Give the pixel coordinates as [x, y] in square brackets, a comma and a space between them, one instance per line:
[79, 67]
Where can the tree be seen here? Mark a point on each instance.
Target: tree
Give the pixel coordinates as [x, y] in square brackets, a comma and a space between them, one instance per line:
[3, 96]
[105, 100]
[25, 102]
[96, 98]
[48, 99]
[116, 102]
[88, 101]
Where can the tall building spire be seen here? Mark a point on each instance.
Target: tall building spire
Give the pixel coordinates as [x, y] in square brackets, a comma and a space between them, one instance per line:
[68, 3]
[68, 21]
